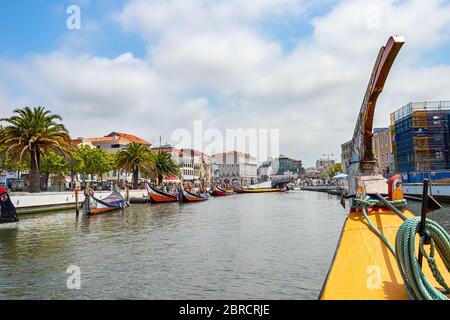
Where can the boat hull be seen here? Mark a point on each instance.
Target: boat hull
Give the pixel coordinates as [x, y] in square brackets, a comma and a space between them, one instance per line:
[157, 196]
[363, 268]
[93, 206]
[8, 212]
[260, 190]
[217, 192]
[94, 212]
[263, 190]
[237, 190]
[190, 197]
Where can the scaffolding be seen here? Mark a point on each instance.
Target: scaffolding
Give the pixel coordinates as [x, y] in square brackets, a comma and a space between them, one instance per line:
[416, 106]
[421, 136]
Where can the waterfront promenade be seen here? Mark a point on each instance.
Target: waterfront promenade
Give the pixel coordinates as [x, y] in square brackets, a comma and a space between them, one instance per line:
[51, 201]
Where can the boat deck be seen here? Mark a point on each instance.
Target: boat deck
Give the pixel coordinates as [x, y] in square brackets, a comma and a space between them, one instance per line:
[363, 267]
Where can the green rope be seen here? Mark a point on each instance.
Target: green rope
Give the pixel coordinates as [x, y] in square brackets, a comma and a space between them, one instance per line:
[417, 286]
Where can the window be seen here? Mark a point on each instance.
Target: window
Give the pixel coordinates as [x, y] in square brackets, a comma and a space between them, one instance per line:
[115, 146]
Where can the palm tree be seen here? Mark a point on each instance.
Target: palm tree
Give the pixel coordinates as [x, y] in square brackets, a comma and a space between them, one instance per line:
[34, 132]
[133, 158]
[163, 165]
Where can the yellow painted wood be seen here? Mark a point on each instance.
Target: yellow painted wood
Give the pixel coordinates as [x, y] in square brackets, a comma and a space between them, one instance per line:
[364, 268]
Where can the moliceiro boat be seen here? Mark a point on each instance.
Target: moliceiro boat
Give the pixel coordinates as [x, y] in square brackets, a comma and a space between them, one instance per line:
[8, 212]
[192, 197]
[218, 191]
[157, 196]
[384, 251]
[257, 190]
[94, 206]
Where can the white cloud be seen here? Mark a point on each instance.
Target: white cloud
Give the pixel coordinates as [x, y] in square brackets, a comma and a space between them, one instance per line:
[210, 61]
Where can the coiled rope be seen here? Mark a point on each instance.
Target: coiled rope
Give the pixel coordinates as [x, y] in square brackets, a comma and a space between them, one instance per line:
[417, 285]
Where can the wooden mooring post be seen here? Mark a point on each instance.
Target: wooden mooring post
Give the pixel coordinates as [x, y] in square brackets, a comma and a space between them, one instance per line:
[77, 204]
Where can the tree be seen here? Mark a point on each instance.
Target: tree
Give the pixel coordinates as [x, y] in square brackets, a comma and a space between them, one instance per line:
[7, 163]
[332, 171]
[54, 163]
[93, 161]
[134, 158]
[34, 131]
[163, 165]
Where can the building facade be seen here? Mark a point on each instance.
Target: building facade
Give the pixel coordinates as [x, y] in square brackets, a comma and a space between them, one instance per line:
[346, 155]
[324, 164]
[112, 143]
[194, 164]
[236, 166]
[382, 149]
[265, 171]
[285, 166]
[420, 132]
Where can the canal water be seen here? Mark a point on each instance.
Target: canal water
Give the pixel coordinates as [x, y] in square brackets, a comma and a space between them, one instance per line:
[251, 246]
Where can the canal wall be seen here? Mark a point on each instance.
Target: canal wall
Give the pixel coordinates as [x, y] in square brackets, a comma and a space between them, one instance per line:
[26, 203]
[439, 191]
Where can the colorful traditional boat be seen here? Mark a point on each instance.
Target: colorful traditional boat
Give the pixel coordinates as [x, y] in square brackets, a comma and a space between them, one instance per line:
[157, 196]
[378, 255]
[8, 212]
[257, 190]
[192, 197]
[237, 190]
[94, 206]
[218, 192]
[263, 190]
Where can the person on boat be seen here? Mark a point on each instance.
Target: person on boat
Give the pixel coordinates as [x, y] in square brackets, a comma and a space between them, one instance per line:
[116, 188]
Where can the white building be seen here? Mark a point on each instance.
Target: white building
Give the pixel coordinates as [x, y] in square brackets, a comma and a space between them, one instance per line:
[194, 164]
[236, 166]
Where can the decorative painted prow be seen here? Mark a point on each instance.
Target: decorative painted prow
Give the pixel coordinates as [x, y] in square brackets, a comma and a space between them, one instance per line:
[363, 163]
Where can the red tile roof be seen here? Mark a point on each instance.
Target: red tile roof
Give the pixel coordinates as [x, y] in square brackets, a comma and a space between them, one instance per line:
[130, 137]
[116, 137]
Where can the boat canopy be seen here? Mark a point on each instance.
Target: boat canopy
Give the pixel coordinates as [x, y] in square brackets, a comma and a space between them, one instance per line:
[340, 176]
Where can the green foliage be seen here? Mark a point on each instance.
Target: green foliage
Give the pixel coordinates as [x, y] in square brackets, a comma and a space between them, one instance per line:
[93, 161]
[33, 132]
[163, 165]
[332, 171]
[54, 163]
[134, 158]
[7, 164]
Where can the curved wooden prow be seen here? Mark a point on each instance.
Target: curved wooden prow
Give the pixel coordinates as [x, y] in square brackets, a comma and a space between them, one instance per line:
[363, 162]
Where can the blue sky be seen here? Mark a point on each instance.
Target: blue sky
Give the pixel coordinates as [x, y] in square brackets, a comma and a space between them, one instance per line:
[300, 66]
[39, 26]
